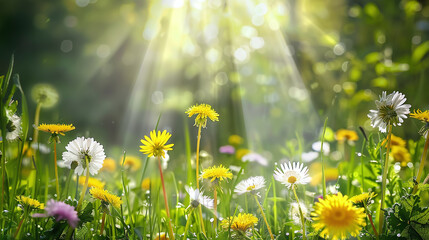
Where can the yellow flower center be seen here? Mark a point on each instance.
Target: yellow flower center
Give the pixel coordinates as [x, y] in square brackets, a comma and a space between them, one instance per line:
[338, 216]
[291, 179]
[250, 188]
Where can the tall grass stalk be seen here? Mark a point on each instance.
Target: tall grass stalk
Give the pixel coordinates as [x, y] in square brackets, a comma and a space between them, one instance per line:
[264, 217]
[422, 164]
[300, 213]
[384, 178]
[321, 159]
[170, 229]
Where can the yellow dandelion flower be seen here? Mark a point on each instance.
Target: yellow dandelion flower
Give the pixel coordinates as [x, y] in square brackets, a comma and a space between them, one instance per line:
[29, 202]
[362, 198]
[28, 150]
[155, 145]
[105, 197]
[336, 217]
[132, 162]
[346, 135]
[56, 128]
[401, 155]
[240, 153]
[216, 173]
[203, 111]
[109, 165]
[161, 236]
[331, 174]
[146, 184]
[241, 222]
[235, 140]
[92, 182]
[422, 116]
[395, 141]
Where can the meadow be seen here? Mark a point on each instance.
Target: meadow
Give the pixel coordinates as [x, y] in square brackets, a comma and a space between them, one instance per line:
[375, 188]
[217, 119]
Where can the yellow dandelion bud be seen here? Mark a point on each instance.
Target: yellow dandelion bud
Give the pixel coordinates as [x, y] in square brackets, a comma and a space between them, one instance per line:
[203, 111]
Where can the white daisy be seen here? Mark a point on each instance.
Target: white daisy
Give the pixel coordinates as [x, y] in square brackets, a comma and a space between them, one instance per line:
[291, 174]
[390, 108]
[294, 212]
[255, 157]
[81, 148]
[318, 145]
[198, 198]
[13, 126]
[250, 185]
[309, 156]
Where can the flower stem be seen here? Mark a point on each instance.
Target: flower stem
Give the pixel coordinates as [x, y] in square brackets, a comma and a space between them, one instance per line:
[383, 183]
[372, 224]
[20, 224]
[170, 229]
[215, 209]
[56, 171]
[321, 159]
[36, 123]
[263, 216]
[85, 186]
[422, 164]
[198, 156]
[102, 223]
[196, 176]
[300, 212]
[187, 223]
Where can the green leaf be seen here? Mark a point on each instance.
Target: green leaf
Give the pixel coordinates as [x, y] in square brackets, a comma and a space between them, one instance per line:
[86, 215]
[408, 219]
[420, 52]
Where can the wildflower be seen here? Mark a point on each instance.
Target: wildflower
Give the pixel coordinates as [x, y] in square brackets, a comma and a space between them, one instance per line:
[109, 165]
[80, 151]
[60, 211]
[161, 236]
[13, 126]
[105, 197]
[390, 109]
[235, 140]
[255, 157]
[44, 94]
[250, 185]
[395, 141]
[227, 149]
[309, 156]
[216, 173]
[198, 198]
[422, 116]
[156, 144]
[146, 184]
[346, 135]
[401, 155]
[92, 182]
[331, 174]
[362, 199]
[336, 216]
[240, 153]
[317, 147]
[132, 162]
[56, 129]
[242, 222]
[292, 174]
[29, 202]
[203, 111]
[294, 212]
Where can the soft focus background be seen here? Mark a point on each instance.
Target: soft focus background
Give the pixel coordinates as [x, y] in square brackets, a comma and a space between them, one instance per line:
[273, 70]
